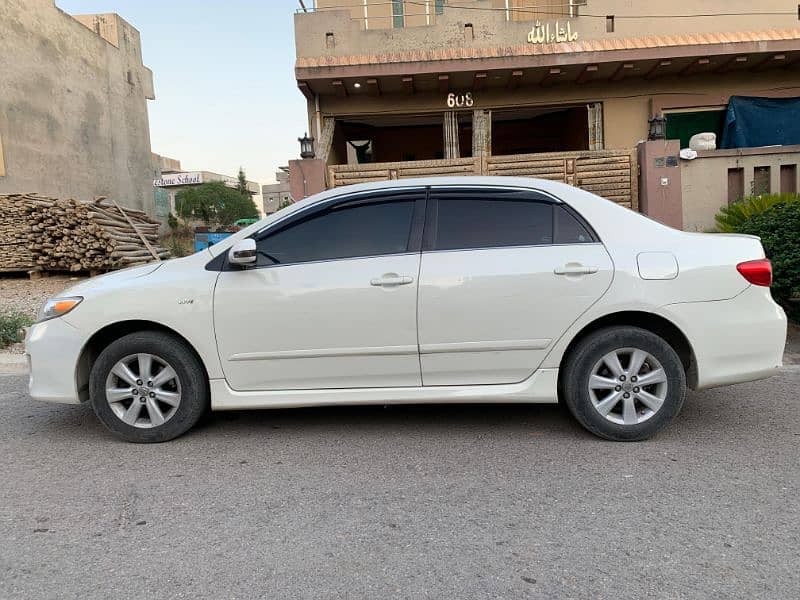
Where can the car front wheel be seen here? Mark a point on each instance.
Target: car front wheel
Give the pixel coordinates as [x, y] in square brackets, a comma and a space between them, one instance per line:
[624, 383]
[148, 387]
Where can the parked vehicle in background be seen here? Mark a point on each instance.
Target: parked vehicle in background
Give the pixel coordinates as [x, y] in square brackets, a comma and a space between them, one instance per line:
[466, 289]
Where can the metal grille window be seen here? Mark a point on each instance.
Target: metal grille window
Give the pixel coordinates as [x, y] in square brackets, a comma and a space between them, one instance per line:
[439, 7]
[761, 181]
[398, 14]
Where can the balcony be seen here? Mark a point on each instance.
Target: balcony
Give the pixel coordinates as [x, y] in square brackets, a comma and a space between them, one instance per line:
[399, 14]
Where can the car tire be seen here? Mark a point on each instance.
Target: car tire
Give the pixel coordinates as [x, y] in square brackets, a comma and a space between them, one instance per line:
[600, 377]
[148, 387]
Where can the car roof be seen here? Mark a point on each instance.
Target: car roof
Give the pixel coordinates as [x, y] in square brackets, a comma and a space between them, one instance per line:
[553, 187]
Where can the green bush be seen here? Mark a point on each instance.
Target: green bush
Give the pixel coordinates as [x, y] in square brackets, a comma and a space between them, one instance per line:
[779, 230]
[11, 324]
[214, 203]
[731, 218]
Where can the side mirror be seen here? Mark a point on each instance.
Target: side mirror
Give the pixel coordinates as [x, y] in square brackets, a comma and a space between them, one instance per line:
[243, 252]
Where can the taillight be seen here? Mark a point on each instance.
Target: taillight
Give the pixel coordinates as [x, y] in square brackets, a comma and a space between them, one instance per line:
[757, 272]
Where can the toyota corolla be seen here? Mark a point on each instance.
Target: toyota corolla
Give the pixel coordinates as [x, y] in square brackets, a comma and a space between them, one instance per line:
[449, 290]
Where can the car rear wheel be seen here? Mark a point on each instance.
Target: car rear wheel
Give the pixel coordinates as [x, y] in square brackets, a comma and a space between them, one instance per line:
[148, 387]
[624, 383]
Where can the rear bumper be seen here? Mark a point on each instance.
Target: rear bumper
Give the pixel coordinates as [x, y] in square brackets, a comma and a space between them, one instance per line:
[53, 348]
[736, 340]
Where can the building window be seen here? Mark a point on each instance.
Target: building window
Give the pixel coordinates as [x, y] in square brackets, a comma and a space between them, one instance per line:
[2, 164]
[398, 14]
[439, 7]
[610, 24]
[330, 40]
[761, 181]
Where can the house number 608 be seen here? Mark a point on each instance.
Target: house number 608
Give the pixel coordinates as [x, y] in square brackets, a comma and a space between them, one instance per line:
[459, 100]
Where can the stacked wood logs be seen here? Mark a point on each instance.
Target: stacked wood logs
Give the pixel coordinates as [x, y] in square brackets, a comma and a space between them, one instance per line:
[14, 252]
[67, 235]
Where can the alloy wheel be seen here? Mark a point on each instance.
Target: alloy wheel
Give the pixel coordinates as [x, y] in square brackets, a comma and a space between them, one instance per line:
[143, 390]
[628, 386]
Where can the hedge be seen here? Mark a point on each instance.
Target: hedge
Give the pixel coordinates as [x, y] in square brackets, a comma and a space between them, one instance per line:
[779, 230]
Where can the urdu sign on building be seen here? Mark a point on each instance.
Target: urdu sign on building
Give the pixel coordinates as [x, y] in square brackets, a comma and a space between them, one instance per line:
[190, 178]
[552, 33]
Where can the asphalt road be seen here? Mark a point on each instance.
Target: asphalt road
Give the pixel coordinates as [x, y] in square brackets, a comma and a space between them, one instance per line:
[405, 502]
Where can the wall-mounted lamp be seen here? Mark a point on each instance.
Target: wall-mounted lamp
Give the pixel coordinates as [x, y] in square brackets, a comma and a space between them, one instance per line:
[306, 146]
[658, 128]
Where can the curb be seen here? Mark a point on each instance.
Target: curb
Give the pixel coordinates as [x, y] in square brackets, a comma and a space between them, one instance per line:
[13, 364]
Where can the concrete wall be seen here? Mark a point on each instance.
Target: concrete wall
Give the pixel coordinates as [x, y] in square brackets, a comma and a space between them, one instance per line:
[490, 27]
[306, 177]
[704, 181]
[73, 105]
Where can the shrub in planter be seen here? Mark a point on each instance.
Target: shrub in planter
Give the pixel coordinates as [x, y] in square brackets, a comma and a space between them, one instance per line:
[731, 218]
[779, 230]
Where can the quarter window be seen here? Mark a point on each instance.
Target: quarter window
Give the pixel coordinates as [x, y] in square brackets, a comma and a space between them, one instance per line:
[345, 231]
[568, 229]
[472, 221]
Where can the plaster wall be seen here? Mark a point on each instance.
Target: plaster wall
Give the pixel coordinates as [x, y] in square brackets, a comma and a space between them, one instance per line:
[73, 105]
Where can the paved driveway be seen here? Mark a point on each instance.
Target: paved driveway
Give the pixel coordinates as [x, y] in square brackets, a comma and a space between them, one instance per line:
[405, 502]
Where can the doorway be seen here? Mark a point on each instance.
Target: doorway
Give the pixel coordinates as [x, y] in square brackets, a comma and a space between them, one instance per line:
[534, 130]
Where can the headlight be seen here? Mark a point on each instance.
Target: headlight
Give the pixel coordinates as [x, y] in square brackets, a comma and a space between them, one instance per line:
[57, 307]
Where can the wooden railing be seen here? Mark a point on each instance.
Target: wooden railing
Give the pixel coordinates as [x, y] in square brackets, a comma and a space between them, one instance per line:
[612, 174]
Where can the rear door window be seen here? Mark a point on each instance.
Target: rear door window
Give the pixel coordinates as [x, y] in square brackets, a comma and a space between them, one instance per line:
[470, 219]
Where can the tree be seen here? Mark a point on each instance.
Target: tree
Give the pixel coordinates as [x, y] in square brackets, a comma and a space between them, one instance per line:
[242, 185]
[214, 203]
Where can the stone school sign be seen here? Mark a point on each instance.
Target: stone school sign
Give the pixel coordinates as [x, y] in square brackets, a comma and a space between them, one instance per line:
[190, 178]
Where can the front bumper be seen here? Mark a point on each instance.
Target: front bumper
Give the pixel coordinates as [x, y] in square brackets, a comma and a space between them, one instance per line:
[736, 340]
[53, 348]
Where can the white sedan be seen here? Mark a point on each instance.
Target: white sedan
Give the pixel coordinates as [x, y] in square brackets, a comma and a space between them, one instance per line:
[466, 289]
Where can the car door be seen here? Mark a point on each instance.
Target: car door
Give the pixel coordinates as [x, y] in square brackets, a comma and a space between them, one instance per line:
[504, 272]
[331, 302]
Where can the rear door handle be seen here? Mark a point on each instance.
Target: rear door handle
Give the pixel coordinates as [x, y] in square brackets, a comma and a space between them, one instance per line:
[575, 269]
[391, 280]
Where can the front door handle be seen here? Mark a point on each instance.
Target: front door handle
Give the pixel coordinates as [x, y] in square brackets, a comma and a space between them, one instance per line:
[391, 280]
[575, 269]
